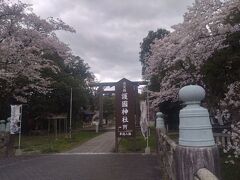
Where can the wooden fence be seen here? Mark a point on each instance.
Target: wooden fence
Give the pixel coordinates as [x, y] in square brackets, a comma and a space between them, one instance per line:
[222, 140]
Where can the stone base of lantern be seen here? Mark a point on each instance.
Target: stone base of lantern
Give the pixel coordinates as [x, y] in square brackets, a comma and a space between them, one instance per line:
[190, 159]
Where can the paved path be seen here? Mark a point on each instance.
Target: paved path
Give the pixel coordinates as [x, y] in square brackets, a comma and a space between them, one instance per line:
[101, 144]
[81, 167]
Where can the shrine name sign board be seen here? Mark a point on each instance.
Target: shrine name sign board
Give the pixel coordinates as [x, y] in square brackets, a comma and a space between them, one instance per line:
[125, 108]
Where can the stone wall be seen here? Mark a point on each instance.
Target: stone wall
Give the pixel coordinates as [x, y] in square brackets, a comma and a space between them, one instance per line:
[166, 151]
[185, 163]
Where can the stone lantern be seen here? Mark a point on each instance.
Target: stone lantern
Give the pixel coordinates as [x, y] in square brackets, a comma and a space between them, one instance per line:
[195, 128]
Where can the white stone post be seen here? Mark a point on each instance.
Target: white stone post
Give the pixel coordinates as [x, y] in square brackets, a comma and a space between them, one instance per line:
[196, 149]
[2, 126]
[8, 126]
[97, 126]
[160, 122]
[195, 128]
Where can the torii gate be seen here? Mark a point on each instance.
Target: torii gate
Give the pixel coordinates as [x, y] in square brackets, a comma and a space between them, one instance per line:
[111, 84]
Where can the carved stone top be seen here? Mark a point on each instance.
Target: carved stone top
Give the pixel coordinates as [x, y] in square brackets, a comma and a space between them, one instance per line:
[159, 114]
[192, 94]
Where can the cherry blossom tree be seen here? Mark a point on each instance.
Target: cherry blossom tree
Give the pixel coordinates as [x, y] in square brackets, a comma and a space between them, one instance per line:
[231, 110]
[28, 45]
[178, 58]
[145, 45]
[36, 67]
[210, 29]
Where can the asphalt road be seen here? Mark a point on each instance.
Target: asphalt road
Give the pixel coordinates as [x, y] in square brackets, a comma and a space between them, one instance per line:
[81, 166]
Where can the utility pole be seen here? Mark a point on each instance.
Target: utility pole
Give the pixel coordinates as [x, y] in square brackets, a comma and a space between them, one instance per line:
[70, 118]
[100, 106]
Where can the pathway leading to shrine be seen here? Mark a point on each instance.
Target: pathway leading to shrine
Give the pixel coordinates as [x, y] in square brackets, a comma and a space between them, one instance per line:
[103, 143]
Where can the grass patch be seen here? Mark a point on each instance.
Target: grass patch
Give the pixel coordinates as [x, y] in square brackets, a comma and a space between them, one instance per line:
[138, 143]
[48, 144]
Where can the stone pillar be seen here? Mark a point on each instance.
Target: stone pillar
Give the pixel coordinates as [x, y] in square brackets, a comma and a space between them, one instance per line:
[2, 126]
[196, 148]
[6, 139]
[160, 122]
[8, 126]
[194, 128]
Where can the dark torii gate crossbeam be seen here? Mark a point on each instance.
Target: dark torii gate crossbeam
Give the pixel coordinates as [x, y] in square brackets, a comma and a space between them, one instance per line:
[101, 92]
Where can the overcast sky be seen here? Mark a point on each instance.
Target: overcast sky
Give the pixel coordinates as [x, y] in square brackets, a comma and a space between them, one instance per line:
[109, 31]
